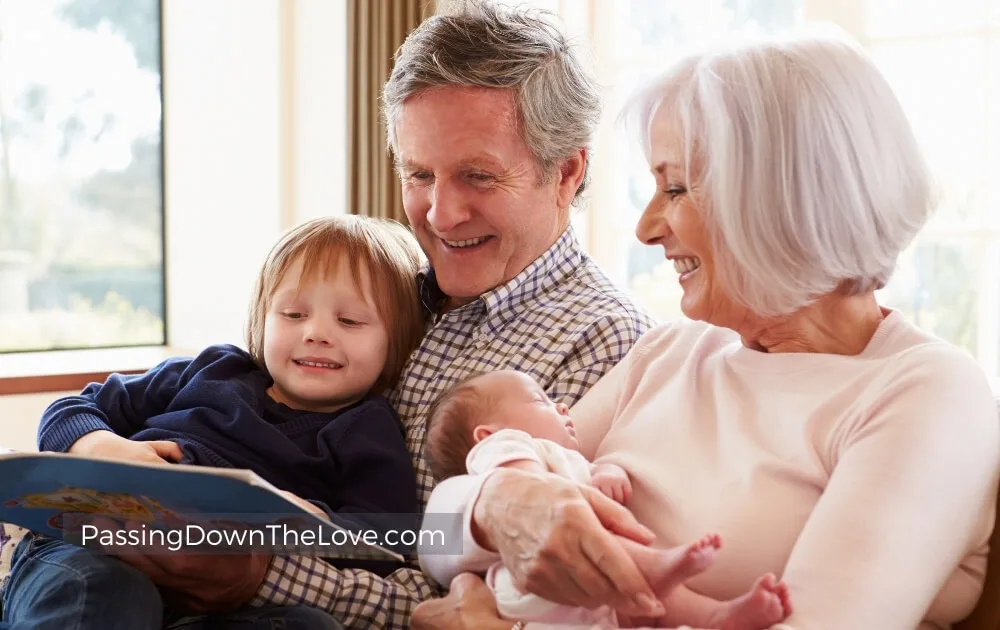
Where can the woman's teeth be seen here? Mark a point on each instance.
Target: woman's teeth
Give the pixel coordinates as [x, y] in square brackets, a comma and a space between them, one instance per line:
[467, 243]
[685, 265]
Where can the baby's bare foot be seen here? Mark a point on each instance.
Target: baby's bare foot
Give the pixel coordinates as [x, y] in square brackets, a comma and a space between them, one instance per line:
[766, 604]
[666, 569]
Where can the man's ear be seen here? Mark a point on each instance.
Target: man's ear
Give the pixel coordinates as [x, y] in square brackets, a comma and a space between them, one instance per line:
[481, 432]
[571, 173]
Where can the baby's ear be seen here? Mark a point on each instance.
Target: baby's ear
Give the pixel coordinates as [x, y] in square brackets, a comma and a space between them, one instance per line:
[481, 432]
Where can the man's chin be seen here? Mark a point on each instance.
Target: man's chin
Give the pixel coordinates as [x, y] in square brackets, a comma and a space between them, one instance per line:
[462, 292]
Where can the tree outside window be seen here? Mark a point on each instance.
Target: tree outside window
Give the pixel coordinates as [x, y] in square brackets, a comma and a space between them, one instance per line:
[81, 190]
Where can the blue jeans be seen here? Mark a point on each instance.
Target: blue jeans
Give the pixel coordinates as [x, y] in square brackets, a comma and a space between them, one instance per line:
[54, 585]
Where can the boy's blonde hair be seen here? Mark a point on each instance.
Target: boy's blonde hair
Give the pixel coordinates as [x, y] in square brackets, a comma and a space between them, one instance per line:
[383, 248]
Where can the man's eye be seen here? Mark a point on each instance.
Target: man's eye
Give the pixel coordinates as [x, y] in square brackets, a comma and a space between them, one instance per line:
[480, 177]
[420, 175]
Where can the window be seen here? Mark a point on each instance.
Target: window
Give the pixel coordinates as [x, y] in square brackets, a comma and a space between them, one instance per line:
[943, 61]
[81, 187]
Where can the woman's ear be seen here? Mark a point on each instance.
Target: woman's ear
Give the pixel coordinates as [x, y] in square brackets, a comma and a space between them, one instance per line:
[481, 432]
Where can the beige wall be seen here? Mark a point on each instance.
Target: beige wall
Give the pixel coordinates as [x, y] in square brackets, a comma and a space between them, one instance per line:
[19, 417]
[255, 139]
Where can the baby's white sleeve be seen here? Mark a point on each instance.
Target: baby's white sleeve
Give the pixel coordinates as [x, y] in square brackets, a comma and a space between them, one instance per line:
[506, 445]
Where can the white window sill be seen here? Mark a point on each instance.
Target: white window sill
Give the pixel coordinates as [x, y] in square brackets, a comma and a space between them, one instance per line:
[63, 370]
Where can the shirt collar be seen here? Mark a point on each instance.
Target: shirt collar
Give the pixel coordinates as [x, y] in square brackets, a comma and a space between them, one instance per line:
[506, 301]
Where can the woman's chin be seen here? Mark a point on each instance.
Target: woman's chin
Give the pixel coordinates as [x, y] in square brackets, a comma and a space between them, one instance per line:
[691, 307]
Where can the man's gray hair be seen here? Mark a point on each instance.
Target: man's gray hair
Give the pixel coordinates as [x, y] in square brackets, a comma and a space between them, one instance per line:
[480, 44]
[811, 177]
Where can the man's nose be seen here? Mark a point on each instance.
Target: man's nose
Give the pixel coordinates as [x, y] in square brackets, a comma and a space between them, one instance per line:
[448, 208]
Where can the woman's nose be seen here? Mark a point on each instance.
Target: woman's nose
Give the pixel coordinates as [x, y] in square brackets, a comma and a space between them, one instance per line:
[652, 227]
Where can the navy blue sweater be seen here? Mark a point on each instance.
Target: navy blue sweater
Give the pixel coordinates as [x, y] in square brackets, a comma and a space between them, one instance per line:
[216, 408]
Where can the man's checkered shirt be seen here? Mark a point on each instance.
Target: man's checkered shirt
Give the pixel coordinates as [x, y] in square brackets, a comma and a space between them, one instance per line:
[560, 320]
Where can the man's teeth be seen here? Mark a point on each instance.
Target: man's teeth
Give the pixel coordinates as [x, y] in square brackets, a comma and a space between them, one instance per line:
[331, 366]
[467, 243]
[684, 265]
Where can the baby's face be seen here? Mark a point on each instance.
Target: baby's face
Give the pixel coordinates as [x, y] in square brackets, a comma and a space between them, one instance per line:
[522, 404]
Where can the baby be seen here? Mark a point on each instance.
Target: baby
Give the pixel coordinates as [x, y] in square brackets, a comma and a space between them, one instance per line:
[505, 418]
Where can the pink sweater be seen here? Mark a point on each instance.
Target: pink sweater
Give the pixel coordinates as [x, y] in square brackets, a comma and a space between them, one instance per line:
[868, 483]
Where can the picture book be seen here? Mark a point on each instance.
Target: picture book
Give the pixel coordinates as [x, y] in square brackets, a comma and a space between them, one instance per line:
[169, 507]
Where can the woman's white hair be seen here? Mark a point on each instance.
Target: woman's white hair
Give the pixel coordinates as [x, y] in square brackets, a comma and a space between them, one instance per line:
[812, 178]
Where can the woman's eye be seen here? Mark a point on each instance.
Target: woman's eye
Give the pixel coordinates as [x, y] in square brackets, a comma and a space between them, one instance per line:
[675, 191]
[294, 315]
[347, 321]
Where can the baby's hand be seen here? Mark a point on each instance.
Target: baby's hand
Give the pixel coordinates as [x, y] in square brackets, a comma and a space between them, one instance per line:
[612, 481]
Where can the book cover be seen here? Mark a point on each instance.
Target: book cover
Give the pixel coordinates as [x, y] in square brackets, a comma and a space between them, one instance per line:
[195, 507]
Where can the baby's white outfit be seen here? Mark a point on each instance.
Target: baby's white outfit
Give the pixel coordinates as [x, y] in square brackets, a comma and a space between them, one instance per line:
[509, 445]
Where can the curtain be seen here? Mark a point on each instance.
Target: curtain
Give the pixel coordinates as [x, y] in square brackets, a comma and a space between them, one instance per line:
[375, 29]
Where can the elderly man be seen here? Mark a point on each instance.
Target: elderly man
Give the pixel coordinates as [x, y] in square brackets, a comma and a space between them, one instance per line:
[491, 145]
[489, 116]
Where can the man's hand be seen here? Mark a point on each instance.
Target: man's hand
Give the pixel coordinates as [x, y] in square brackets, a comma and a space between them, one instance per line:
[612, 481]
[557, 538]
[201, 583]
[470, 605]
[108, 445]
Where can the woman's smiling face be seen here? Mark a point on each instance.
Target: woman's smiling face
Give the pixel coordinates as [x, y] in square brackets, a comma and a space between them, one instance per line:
[675, 219]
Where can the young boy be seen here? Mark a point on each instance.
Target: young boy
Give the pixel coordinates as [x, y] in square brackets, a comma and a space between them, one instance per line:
[334, 317]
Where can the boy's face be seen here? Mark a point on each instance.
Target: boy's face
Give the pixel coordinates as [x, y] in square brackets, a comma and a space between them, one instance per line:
[324, 342]
[521, 403]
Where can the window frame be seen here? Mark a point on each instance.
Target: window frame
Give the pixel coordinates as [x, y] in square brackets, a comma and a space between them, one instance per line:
[590, 18]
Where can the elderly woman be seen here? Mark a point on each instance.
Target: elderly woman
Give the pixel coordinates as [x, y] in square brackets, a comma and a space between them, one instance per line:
[827, 440]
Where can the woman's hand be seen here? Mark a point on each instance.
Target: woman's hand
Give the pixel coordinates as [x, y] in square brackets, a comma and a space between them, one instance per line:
[108, 445]
[469, 606]
[557, 539]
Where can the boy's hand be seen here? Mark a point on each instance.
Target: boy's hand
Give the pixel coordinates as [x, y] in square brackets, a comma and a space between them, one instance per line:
[302, 503]
[107, 445]
[612, 481]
